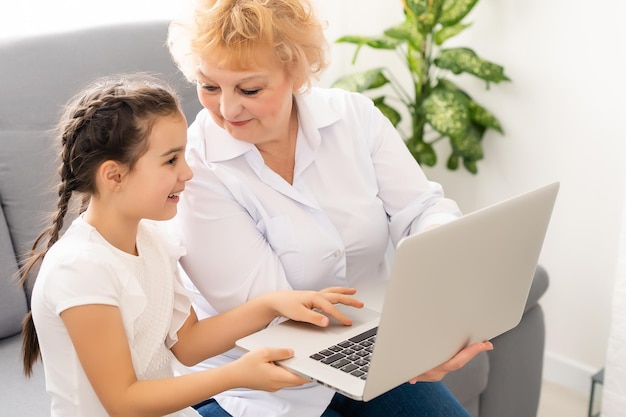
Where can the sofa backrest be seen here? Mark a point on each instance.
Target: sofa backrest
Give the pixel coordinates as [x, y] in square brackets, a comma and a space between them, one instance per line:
[37, 76]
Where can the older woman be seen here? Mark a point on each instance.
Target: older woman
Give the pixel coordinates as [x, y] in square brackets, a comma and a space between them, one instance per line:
[294, 187]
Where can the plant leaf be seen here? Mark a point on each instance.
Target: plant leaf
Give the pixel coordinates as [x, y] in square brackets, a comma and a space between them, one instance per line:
[406, 32]
[449, 85]
[447, 112]
[429, 19]
[417, 65]
[416, 7]
[453, 162]
[423, 153]
[362, 81]
[460, 60]
[376, 42]
[478, 114]
[390, 113]
[470, 165]
[436, 102]
[424, 13]
[453, 11]
[447, 32]
[469, 146]
[484, 117]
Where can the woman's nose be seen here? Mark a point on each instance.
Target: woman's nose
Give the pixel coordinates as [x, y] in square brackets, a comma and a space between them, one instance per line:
[230, 106]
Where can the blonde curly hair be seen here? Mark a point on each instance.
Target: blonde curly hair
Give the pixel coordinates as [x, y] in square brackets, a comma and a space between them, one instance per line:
[241, 33]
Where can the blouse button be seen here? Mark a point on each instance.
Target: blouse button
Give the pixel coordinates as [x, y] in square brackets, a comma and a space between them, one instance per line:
[337, 253]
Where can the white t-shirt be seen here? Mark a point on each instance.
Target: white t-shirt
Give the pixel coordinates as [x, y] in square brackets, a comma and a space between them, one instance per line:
[83, 268]
[247, 231]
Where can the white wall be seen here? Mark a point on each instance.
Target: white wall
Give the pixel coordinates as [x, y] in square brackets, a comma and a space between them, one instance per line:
[614, 392]
[562, 116]
[23, 18]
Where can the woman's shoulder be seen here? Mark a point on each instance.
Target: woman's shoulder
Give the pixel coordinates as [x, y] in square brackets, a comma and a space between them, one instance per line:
[331, 103]
[335, 98]
[321, 107]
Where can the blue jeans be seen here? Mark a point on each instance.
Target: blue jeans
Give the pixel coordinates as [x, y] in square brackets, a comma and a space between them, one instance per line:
[210, 408]
[424, 399]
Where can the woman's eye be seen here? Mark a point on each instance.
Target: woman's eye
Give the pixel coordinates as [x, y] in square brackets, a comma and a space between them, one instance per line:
[250, 92]
[207, 87]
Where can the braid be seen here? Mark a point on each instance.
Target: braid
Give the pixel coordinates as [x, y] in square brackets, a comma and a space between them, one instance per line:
[65, 194]
[30, 343]
[31, 351]
[109, 120]
[64, 191]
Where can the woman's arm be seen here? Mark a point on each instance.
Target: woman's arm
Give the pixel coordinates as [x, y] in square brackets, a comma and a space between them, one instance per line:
[98, 336]
[413, 202]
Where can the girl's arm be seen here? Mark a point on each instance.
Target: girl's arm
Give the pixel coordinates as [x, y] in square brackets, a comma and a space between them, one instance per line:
[199, 340]
[98, 336]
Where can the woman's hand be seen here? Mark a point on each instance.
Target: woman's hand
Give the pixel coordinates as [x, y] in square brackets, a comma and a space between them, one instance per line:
[457, 362]
[299, 305]
[257, 370]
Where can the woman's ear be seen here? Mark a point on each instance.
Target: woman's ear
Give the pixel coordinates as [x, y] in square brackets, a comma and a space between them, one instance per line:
[298, 80]
[110, 175]
[299, 84]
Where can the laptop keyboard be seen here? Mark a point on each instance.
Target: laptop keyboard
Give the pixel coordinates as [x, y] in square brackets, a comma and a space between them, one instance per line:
[352, 356]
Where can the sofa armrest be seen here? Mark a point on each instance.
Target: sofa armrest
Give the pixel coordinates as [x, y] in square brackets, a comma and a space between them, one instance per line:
[516, 363]
[538, 288]
[508, 382]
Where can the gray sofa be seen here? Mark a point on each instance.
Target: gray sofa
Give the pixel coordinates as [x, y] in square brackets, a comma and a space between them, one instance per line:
[38, 75]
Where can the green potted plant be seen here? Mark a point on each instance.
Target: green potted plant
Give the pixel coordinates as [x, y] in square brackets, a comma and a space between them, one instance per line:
[438, 108]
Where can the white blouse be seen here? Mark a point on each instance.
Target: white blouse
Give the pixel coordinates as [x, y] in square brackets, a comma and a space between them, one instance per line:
[247, 231]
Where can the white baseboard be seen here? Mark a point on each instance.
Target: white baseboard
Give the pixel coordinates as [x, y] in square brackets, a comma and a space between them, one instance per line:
[568, 373]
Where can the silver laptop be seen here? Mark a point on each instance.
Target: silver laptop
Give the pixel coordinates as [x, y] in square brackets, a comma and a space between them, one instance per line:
[459, 283]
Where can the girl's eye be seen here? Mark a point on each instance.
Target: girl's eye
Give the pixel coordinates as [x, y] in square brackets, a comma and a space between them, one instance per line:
[172, 161]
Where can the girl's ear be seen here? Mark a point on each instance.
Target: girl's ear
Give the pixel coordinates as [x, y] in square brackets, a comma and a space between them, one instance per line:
[110, 175]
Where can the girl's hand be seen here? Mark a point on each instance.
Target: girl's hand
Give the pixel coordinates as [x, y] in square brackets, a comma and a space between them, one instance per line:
[299, 305]
[257, 370]
[457, 362]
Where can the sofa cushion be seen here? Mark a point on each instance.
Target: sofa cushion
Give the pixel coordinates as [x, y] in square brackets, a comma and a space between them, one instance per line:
[12, 297]
[20, 396]
[39, 74]
[28, 189]
[27, 169]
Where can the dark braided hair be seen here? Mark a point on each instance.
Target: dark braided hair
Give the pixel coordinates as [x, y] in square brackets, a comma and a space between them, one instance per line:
[110, 119]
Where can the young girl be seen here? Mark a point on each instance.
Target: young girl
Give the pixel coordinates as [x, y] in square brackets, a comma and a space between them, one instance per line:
[107, 304]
